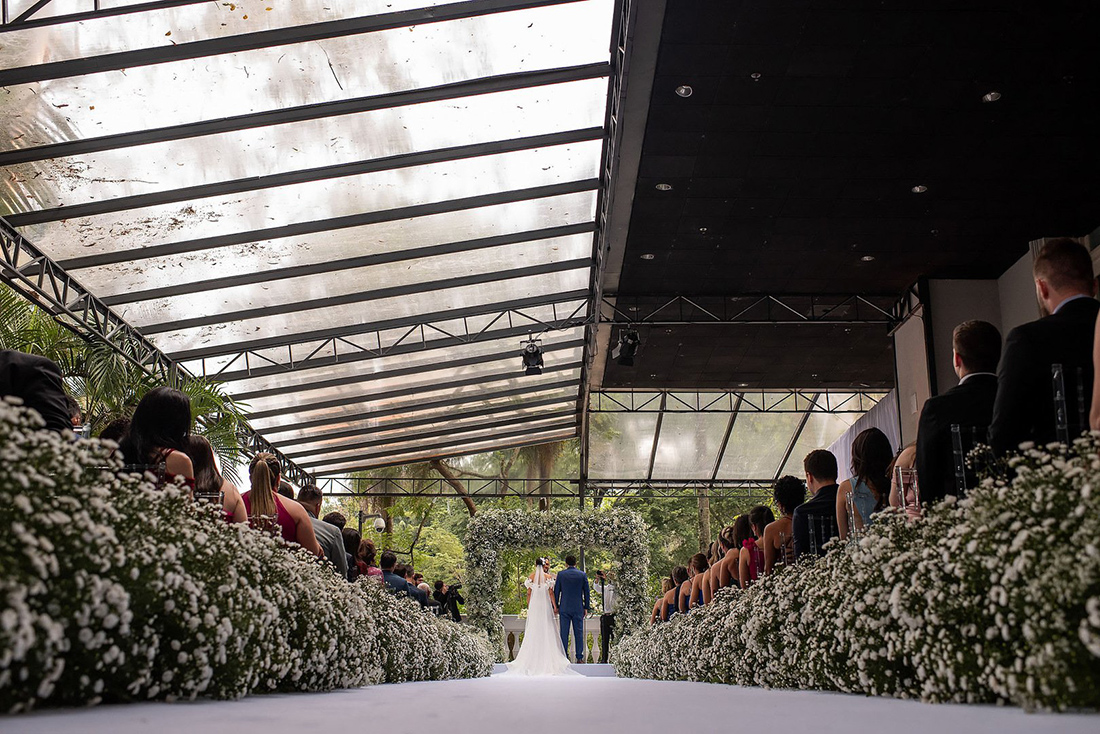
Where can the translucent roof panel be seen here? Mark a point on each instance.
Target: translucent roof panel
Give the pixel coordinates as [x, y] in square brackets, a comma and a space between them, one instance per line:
[757, 445]
[297, 74]
[620, 445]
[819, 433]
[688, 445]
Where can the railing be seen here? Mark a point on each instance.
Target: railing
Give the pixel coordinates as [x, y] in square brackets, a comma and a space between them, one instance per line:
[513, 635]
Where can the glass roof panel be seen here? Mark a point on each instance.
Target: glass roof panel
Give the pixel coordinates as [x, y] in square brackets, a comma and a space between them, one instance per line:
[328, 141]
[439, 269]
[342, 244]
[289, 436]
[757, 444]
[371, 386]
[820, 432]
[455, 449]
[277, 77]
[441, 426]
[688, 445]
[305, 322]
[215, 216]
[293, 419]
[621, 444]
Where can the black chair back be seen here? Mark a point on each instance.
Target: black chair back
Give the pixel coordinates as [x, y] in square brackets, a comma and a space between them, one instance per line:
[823, 528]
[1071, 409]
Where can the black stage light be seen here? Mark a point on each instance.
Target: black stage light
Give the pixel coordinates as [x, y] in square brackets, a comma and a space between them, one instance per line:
[627, 348]
[532, 357]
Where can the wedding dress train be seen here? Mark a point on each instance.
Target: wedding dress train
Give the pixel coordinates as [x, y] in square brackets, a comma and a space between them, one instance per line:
[541, 651]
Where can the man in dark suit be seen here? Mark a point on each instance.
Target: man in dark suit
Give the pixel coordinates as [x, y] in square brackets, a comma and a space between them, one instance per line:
[37, 381]
[572, 599]
[814, 521]
[395, 582]
[1024, 408]
[976, 349]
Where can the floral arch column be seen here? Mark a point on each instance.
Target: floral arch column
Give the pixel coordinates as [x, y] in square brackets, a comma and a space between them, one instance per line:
[492, 532]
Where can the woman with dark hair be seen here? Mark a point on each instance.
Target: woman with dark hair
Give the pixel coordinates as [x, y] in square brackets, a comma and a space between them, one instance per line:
[658, 606]
[209, 483]
[691, 592]
[158, 429]
[789, 493]
[751, 562]
[365, 559]
[868, 491]
[352, 540]
[671, 604]
[728, 556]
[268, 511]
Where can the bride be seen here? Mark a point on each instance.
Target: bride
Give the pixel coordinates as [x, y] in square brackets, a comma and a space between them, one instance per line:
[541, 652]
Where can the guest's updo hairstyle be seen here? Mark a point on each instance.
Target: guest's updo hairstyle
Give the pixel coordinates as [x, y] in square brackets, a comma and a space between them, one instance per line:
[742, 530]
[789, 493]
[699, 562]
[262, 497]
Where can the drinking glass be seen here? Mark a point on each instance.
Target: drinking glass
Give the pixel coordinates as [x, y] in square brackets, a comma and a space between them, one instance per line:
[909, 492]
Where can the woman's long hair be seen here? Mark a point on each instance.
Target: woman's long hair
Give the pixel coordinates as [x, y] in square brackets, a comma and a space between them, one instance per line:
[162, 420]
[261, 499]
[207, 479]
[367, 551]
[872, 456]
[742, 530]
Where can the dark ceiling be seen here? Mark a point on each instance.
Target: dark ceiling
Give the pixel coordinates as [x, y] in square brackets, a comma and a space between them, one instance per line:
[808, 126]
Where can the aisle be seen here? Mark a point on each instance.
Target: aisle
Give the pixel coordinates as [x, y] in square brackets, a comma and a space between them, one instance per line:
[574, 705]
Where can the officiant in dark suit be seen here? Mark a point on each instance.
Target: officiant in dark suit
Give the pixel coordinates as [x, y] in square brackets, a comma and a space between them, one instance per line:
[1024, 408]
[976, 350]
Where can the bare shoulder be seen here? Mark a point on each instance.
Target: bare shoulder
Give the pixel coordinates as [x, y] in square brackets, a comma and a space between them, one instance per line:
[178, 463]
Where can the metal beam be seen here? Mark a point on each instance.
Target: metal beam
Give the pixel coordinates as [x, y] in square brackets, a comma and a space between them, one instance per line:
[305, 113]
[681, 310]
[263, 39]
[430, 420]
[495, 487]
[308, 175]
[454, 364]
[16, 24]
[718, 401]
[420, 406]
[430, 286]
[382, 397]
[725, 441]
[327, 457]
[656, 438]
[363, 261]
[448, 430]
[70, 303]
[792, 443]
[420, 324]
[324, 225]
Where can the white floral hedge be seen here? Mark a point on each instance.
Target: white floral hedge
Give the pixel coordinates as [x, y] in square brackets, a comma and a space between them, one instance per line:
[493, 532]
[992, 599]
[111, 590]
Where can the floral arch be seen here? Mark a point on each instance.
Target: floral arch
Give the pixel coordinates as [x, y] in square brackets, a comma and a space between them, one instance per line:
[492, 532]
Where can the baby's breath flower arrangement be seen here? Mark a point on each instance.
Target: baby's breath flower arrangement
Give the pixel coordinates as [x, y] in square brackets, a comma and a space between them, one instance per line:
[492, 532]
[992, 599]
[112, 590]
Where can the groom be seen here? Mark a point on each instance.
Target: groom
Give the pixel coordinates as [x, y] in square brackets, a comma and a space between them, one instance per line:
[571, 596]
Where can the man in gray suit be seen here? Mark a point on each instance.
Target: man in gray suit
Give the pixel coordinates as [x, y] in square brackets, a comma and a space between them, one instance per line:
[328, 536]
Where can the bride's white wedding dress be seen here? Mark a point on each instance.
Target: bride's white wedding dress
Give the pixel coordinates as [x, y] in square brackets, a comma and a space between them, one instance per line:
[541, 651]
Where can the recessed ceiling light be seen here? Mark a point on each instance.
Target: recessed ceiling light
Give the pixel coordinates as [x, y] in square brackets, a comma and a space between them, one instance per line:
[868, 258]
[919, 189]
[668, 331]
[653, 374]
[702, 230]
[991, 96]
[742, 384]
[684, 90]
[755, 76]
[648, 256]
[663, 187]
[631, 308]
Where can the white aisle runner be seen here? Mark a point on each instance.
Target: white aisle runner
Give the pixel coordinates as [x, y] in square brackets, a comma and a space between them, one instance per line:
[565, 705]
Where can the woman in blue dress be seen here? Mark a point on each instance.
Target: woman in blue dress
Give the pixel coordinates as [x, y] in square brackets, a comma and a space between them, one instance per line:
[868, 491]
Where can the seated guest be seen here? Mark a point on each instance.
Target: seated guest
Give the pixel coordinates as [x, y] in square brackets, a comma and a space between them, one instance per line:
[158, 430]
[1024, 407]
[672, 597]
[742, 531]
[869, 487]
[975, 350]
[115, 430]
[666, 586]
[729, 555]
[788, 494]
[711, 575]
[751, 562]
[365, 559]
[691, 592]
[329, 537]
[814, 521]
[352, 539]
[396, 582]
[37, 382]
[285, 490]
[269, 511]
[210, 483]
[335, 518]
[415, 591]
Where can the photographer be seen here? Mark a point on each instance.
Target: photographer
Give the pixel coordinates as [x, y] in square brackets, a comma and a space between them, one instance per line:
[605, 590]
[449, 599]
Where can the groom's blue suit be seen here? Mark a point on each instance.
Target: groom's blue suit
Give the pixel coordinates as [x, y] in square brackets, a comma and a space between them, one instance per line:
[571, 596]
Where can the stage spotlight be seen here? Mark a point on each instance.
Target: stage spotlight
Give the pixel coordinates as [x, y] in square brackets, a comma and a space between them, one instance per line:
[532, 357]
[627, 348]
